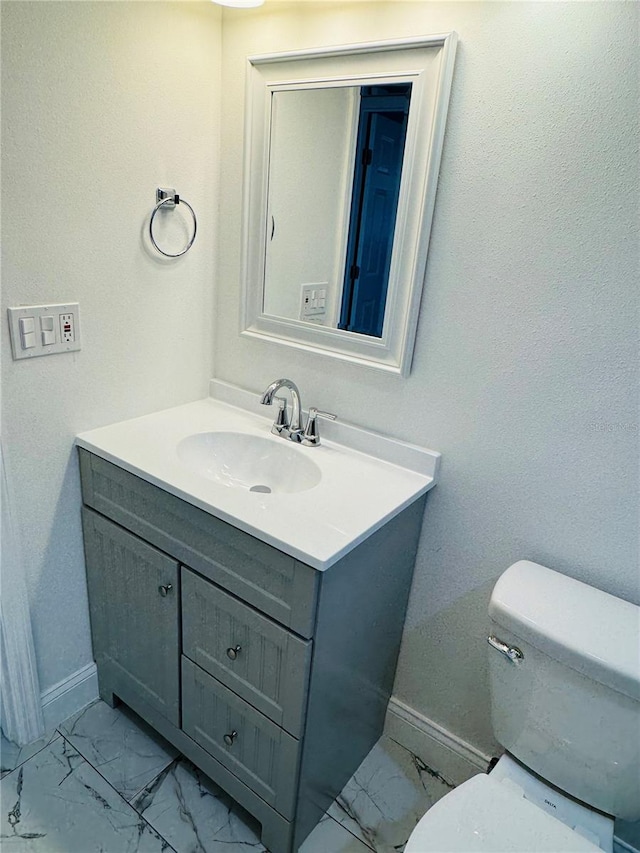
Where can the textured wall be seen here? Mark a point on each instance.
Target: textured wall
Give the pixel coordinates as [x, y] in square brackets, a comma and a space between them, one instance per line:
[101, 103]
[524, 374]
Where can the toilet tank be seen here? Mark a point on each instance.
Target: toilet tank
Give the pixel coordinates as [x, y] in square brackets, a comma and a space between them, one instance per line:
[569, 709]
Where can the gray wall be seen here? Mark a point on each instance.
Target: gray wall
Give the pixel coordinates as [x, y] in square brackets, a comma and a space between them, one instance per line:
[101, 103]
[524, 374]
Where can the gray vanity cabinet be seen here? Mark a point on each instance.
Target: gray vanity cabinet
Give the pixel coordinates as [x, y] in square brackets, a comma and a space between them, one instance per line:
[271, 676]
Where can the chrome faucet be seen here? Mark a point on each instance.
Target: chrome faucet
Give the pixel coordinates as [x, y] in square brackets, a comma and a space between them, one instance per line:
[282, 425]
[292, 428]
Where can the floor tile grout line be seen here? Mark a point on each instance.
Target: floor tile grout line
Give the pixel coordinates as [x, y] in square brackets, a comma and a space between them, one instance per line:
[54, 736]
[121, 796]
[78, 748]
[69, 734]
[352, 834]
[180, 757]
[362, 840]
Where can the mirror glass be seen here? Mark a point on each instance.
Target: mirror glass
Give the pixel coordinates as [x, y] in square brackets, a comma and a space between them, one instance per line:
[342, 153]
[335, 167]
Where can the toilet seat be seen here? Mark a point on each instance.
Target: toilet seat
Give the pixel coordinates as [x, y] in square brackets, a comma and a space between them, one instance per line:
[486, 816]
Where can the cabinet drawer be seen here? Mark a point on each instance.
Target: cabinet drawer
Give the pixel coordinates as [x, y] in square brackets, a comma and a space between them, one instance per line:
[270, 580]
[260, 661]
[133, 603]
[262, 755]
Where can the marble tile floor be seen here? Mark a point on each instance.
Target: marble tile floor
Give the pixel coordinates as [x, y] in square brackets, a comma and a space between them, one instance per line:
[106, 782]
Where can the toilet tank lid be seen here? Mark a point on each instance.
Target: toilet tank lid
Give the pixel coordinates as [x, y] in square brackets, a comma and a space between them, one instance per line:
[589, 630]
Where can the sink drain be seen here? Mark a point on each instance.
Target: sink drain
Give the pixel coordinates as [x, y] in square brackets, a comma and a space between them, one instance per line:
[264, 489]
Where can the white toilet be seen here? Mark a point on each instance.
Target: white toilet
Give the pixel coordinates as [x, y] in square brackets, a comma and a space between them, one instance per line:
[564, 669]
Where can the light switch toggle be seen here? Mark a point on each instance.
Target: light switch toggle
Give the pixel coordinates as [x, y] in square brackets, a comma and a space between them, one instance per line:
[27, 332]
[47, 332]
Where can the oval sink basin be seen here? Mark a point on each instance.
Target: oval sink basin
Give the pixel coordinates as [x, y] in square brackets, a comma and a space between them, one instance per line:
[249, 462]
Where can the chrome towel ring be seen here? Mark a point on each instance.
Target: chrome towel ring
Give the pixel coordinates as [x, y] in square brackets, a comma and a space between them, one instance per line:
[169, 198]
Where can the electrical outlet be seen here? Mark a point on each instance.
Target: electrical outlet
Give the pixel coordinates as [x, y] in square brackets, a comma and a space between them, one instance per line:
[67, 328]
[44, 329]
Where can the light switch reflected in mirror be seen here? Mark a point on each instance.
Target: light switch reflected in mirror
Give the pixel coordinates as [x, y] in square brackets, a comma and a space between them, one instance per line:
[342, 153]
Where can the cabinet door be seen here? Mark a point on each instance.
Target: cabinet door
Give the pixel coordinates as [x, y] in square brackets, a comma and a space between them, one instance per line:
[133, 602]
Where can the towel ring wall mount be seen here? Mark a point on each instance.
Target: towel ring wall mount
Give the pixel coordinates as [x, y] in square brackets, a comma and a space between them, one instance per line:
[167, 198]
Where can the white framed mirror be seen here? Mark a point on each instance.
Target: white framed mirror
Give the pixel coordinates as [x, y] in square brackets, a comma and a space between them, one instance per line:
[342, 154]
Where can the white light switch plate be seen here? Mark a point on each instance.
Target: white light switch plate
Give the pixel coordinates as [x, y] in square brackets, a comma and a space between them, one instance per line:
[56, 328]
[313, 300]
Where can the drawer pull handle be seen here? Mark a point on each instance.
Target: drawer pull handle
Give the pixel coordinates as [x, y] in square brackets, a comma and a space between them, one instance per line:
[232, 652]
[165, 589]
[229, 739]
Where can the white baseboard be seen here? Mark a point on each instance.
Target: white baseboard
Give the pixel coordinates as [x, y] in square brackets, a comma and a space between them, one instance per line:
[620, 845]
[69, 696]
[439, 748]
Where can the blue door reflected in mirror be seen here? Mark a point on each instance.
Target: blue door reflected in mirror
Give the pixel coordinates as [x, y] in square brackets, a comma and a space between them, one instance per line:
[382, 130]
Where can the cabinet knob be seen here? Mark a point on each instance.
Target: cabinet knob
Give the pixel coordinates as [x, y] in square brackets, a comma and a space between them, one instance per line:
[233, 652]
[229, 738]
[165, 589]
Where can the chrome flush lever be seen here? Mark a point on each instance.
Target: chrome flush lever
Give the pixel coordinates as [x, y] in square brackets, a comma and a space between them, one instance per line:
[512, 652]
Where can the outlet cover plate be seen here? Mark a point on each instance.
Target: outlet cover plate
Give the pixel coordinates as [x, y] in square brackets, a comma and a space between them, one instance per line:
[37, 312]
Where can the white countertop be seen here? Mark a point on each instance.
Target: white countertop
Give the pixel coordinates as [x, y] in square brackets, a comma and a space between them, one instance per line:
[356, 495]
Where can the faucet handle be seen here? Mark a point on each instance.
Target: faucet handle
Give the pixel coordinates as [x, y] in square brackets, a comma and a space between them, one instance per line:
[282, 418]
[311, 435]
[317, 413]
